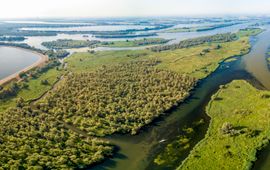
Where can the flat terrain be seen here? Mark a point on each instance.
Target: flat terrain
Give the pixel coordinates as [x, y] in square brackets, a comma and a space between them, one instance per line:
[239, 128]
[103, 93]
[189, 61]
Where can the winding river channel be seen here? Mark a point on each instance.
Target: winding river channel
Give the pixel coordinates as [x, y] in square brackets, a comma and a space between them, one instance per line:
[138, 152]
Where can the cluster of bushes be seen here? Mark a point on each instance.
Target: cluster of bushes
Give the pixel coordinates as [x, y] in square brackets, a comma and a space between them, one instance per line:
[12, 38]
[68, 43]
[10, 90]
[150, 41]
[57, 54]
[121, 98]
[131, 35]
[218, 38]
[31, 139]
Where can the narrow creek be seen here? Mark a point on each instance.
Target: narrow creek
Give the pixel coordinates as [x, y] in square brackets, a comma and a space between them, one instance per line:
[138, 152]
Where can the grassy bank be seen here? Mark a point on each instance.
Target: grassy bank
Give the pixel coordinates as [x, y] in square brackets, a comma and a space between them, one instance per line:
[198, 61]
[239, 127]
[34, 89]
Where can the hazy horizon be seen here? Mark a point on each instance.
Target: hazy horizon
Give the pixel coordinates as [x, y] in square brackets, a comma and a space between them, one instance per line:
[129, 8]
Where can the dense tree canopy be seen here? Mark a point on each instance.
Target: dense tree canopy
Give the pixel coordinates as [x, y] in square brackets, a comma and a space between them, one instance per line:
[121, 98]
[31, 139]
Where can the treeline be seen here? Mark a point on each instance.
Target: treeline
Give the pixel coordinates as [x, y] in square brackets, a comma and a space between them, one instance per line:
[132, 35]
[12, 38]
[13, 29]
[22, 45]
[57, 54]
[213, 27]
[150, 41]
[121, 98]
[227, 37]
[53, 54]
[69, 43]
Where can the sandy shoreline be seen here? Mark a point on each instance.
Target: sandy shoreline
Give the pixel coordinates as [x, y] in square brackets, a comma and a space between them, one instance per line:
[42, 59]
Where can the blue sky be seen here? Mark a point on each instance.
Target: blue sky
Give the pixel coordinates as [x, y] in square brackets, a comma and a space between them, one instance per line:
[115, 8]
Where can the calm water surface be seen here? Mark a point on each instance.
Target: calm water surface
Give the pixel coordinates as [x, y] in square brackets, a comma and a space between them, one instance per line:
[138, 152]
[13, 60]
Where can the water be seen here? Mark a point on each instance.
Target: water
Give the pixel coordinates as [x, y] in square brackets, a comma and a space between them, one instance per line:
[36, 41]
[256, 64]
[13, 60]
[186, 35]
[90, 28]
[138, 152]
[255, 60]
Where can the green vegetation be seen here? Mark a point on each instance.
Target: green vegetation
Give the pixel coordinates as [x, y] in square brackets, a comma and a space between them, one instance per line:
[268, 58]
[174, 60]
[12, 38]
[135, 43]
[31, 139]
[68, 43]
[102, 93]
[121, 98]
[200, 28]
[176, 150]
[218, 38]
[30, 89]
[249, 32]
[233, 137]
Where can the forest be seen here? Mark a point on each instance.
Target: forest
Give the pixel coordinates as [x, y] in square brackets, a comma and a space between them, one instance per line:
[31, 139]
[68, 43]
[121, 98]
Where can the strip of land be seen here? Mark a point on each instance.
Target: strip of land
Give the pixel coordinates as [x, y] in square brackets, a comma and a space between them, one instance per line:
[239, 127]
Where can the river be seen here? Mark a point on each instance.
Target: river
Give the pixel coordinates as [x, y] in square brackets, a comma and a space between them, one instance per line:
[138, 152]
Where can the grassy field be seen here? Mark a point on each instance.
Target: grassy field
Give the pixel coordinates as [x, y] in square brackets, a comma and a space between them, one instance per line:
[249, 32]
[192, 61]
[239, 127]
[35, 89]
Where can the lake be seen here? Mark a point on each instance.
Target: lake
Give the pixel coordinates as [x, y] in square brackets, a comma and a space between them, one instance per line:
[13, 60]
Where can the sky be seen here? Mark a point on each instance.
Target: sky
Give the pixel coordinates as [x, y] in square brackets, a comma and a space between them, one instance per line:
[124, 8]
